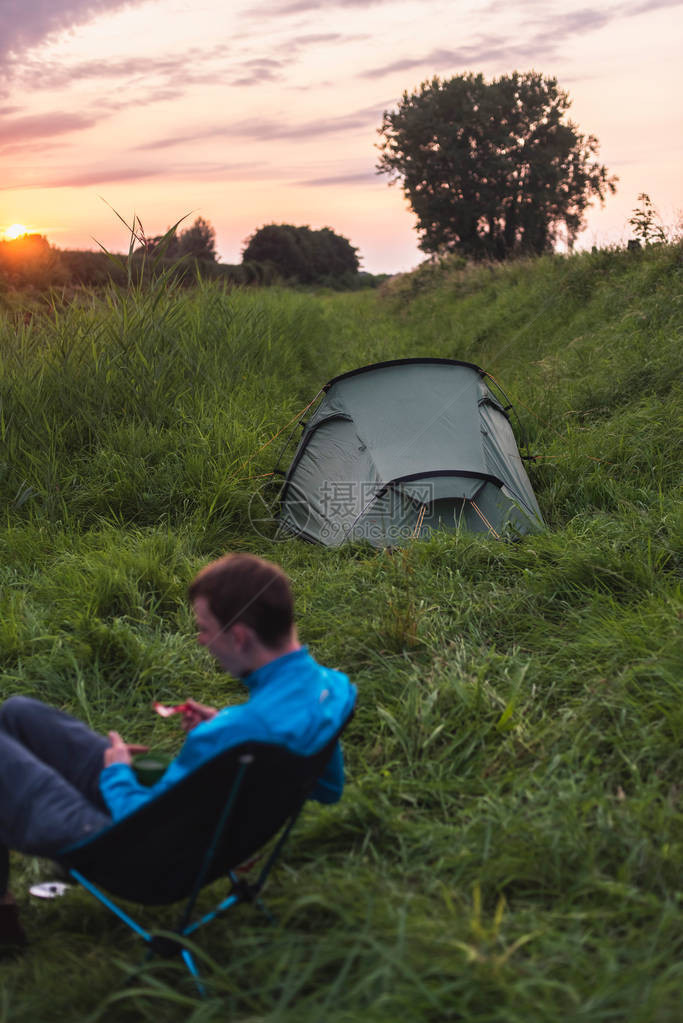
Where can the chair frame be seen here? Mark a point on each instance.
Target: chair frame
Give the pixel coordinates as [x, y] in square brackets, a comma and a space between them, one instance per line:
[209, 869]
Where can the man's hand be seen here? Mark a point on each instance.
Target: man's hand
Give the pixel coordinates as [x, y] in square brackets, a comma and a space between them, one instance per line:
[195, 713]
[119, 752]
[135, 747]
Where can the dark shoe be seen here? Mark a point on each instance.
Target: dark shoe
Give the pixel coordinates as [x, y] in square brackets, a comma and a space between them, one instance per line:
[12, 934]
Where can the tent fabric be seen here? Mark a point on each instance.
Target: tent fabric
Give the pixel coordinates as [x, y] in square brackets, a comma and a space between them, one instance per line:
[397, 449]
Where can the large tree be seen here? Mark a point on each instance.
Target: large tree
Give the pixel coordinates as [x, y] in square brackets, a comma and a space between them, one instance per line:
[492, 169]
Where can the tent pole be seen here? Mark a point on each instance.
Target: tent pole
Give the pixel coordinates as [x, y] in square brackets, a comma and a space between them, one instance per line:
[484, 519]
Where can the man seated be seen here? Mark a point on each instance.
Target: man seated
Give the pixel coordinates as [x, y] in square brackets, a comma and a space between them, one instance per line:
[61, 782]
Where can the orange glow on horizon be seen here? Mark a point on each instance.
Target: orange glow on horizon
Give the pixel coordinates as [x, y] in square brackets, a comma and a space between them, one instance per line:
[15, 231]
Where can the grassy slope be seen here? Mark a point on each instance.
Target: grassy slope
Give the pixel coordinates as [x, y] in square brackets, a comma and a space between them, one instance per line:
[509, 844]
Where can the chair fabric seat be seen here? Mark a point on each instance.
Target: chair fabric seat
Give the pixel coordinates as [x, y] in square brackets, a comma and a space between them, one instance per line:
[154, 856]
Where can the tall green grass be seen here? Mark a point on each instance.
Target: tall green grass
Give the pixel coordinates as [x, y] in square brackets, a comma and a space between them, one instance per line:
[509, 844]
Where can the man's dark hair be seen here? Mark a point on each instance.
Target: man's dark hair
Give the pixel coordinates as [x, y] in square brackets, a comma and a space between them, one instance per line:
[248, 589]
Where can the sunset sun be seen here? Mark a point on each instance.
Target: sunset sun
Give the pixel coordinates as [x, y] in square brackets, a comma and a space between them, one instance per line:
[15, 231]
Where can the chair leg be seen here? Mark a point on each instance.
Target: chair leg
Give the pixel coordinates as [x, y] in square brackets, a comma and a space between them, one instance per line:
[231, 900]
[106, 901]
[192, 967]
[156, 944]
[264, 909]
[168, 946]
[245, 761]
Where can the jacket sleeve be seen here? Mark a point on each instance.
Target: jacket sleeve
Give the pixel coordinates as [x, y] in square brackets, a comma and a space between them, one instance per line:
[330, 784]
[123, 793]
[121, 790]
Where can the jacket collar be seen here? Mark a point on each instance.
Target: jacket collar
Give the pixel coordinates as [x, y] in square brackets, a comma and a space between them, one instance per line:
[256, 680]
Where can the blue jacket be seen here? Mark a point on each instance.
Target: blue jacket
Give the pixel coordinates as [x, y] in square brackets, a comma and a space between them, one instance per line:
[293, 701]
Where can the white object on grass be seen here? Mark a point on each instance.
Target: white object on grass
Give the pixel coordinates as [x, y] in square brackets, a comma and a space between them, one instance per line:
[49, 889]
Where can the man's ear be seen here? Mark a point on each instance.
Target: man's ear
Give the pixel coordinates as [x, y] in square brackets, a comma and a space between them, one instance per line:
[242, 636]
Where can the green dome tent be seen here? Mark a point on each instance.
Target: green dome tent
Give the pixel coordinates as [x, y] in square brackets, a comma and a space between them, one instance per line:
[398, 449]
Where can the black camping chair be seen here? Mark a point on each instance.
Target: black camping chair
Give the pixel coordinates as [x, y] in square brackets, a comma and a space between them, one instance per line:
[199, 830]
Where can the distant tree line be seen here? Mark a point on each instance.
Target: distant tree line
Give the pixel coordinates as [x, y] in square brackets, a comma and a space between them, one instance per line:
[30, 260]
[196, 242]
[274, 253]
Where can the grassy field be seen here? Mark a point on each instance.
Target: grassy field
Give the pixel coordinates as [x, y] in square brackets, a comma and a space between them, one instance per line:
[509, 846]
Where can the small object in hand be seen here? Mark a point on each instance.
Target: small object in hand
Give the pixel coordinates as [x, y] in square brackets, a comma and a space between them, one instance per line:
[149, 767]
[166, 712]
[49, 889]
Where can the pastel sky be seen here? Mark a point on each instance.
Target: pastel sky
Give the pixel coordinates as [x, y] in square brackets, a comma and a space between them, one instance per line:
[248, 114]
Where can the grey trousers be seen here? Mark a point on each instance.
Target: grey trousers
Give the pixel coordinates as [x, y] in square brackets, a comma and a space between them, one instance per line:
[50, 765]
